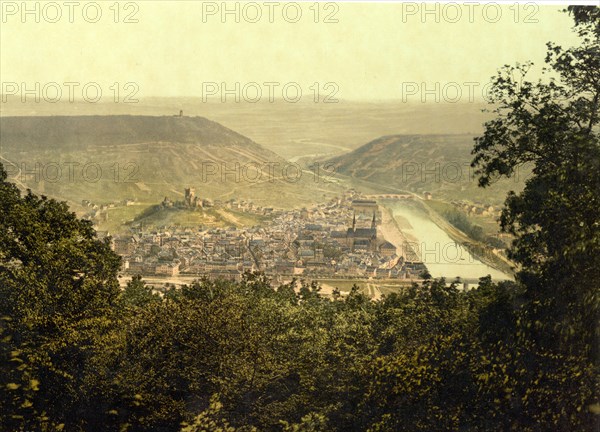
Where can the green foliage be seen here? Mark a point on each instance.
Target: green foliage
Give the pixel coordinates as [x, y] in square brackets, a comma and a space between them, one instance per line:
[460, 221]
[553, 126]
[58, 284]
[137, 293]
[209, 420]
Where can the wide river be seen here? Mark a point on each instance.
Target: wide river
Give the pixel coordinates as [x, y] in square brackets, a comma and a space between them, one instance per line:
[443, 256]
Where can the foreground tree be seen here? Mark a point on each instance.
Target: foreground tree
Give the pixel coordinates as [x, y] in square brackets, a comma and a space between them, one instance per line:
[552, 126]
[58, 283]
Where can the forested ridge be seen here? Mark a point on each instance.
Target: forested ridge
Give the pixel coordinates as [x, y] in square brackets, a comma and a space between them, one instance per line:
[77, 353]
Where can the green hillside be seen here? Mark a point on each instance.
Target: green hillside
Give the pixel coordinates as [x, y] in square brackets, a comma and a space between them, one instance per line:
[439, 164]
[146, 158]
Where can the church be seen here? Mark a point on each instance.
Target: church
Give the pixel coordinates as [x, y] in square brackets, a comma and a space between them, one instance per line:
[363, 239]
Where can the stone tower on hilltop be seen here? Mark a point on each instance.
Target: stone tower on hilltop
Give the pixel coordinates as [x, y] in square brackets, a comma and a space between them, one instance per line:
[191, 200]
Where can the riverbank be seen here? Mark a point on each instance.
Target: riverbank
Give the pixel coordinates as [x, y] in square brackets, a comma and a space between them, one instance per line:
[445, 251]
[474, 247]
[390, 230]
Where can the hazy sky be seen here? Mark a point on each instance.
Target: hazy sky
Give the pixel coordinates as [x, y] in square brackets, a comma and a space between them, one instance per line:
[176, 46]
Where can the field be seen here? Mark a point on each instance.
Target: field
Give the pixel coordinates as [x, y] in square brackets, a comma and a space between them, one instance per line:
[148, 215]
[366, 286]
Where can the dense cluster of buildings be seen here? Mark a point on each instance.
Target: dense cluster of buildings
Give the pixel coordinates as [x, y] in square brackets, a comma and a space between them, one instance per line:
[334, 239]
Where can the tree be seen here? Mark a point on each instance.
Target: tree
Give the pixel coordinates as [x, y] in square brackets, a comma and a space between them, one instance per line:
[137, 293]
[58, 284]
[552, 125]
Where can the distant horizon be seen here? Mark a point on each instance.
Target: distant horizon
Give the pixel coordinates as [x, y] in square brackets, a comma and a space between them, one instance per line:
[333, 51]
[217, 99]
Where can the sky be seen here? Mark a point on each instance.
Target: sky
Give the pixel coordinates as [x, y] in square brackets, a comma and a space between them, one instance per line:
[357, 51]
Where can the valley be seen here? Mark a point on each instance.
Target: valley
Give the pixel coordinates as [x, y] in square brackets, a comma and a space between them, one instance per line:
[129, 174]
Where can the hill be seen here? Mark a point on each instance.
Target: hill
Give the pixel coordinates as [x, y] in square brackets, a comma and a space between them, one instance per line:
[292, 130]
[144, 158]
[439, 164]
[79, 132]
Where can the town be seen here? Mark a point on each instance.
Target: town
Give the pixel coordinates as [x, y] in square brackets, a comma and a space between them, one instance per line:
[339, 238]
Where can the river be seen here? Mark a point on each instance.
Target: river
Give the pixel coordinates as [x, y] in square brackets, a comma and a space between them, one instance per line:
[441, 254]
